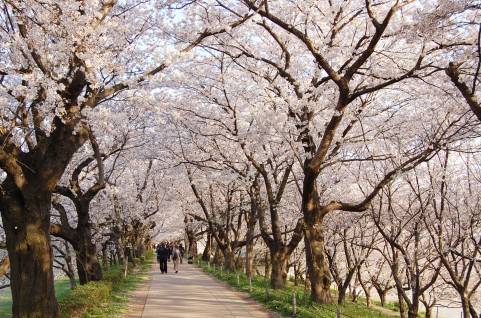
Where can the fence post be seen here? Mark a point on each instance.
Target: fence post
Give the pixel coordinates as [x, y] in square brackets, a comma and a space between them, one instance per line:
[339, 315]
[294, 304]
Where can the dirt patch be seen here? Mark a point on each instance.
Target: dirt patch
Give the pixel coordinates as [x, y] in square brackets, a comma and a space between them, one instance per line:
[138, 297]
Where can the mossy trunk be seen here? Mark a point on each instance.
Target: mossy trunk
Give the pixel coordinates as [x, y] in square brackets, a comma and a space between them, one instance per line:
[279, 268]
[26, 221]
[316, 258]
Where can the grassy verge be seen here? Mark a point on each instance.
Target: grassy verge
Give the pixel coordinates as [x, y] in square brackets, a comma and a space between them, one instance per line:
[106, 299]
[116, 304]
[62, 287]
[282, 300]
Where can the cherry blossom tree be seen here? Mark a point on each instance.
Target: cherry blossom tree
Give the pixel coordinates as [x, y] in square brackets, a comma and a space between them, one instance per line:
[59, 61]
[455, 222]
[329, 63]
[414, 265]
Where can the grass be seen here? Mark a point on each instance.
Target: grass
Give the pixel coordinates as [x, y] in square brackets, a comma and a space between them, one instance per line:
[116, 304]
[62, 287]
[281, 300]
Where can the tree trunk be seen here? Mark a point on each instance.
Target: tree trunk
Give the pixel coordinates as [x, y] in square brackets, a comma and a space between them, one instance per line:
[105, 257]
[382, 296]
[341, 298]
[229, 259]
[368, 298]
[208, 247]
[267, 265]
[429, 312]
[467, 307]
[218, 255]
[413, 312]
[279, 263]
[402, 305]
[316, 258]
[26, 221]
[250, 258]
[88, 265]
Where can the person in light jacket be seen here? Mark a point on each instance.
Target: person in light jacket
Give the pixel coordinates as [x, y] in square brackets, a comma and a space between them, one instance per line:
[176, 257]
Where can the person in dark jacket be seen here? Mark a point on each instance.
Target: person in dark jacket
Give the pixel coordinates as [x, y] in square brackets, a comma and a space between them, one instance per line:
[162, 257]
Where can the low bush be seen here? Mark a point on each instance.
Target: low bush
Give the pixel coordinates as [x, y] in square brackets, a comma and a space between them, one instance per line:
[85, 297]
[114, 274]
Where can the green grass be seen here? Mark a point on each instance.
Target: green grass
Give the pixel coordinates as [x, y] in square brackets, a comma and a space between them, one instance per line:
[281, 300]
[62, 287]
[116, 304]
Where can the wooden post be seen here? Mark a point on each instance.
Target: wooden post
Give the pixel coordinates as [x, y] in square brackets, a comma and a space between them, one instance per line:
[339, 315]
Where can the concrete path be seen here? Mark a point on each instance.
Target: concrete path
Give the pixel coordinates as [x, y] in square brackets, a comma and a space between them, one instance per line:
[193, 294]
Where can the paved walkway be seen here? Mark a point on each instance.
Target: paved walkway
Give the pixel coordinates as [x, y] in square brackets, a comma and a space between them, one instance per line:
[193, 294]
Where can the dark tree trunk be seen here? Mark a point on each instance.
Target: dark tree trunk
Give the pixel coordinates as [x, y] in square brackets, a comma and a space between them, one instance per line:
[341, 299]
[229, 259]
[26, 221]
[316, 258]
[413, 311]
[105, 257]
[382, 295]
[343, 288]
[88, 265]
[249, 257]
[267, 265]
[279, 263]
[208, 247]
[402, 305]
[218, 255]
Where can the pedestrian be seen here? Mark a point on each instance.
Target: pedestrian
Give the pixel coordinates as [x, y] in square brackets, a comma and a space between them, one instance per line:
[157, 252]
[176, 258]
[182, 250]
[170, 249]
[162, 256]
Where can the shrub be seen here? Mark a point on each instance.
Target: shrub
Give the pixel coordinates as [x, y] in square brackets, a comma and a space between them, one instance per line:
[136, 262]
[84, 298]
[114, 275]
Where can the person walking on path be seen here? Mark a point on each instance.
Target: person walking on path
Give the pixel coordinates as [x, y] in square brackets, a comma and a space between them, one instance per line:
[176, 258]
[162, 256]
[182, 250]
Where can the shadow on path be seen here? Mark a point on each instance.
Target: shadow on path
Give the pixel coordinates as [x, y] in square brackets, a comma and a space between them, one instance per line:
[191, 293]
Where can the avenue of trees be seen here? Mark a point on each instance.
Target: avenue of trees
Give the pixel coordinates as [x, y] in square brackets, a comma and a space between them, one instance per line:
[336, 141]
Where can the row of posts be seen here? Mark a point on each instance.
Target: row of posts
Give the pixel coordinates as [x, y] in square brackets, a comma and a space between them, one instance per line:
[294, 302]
